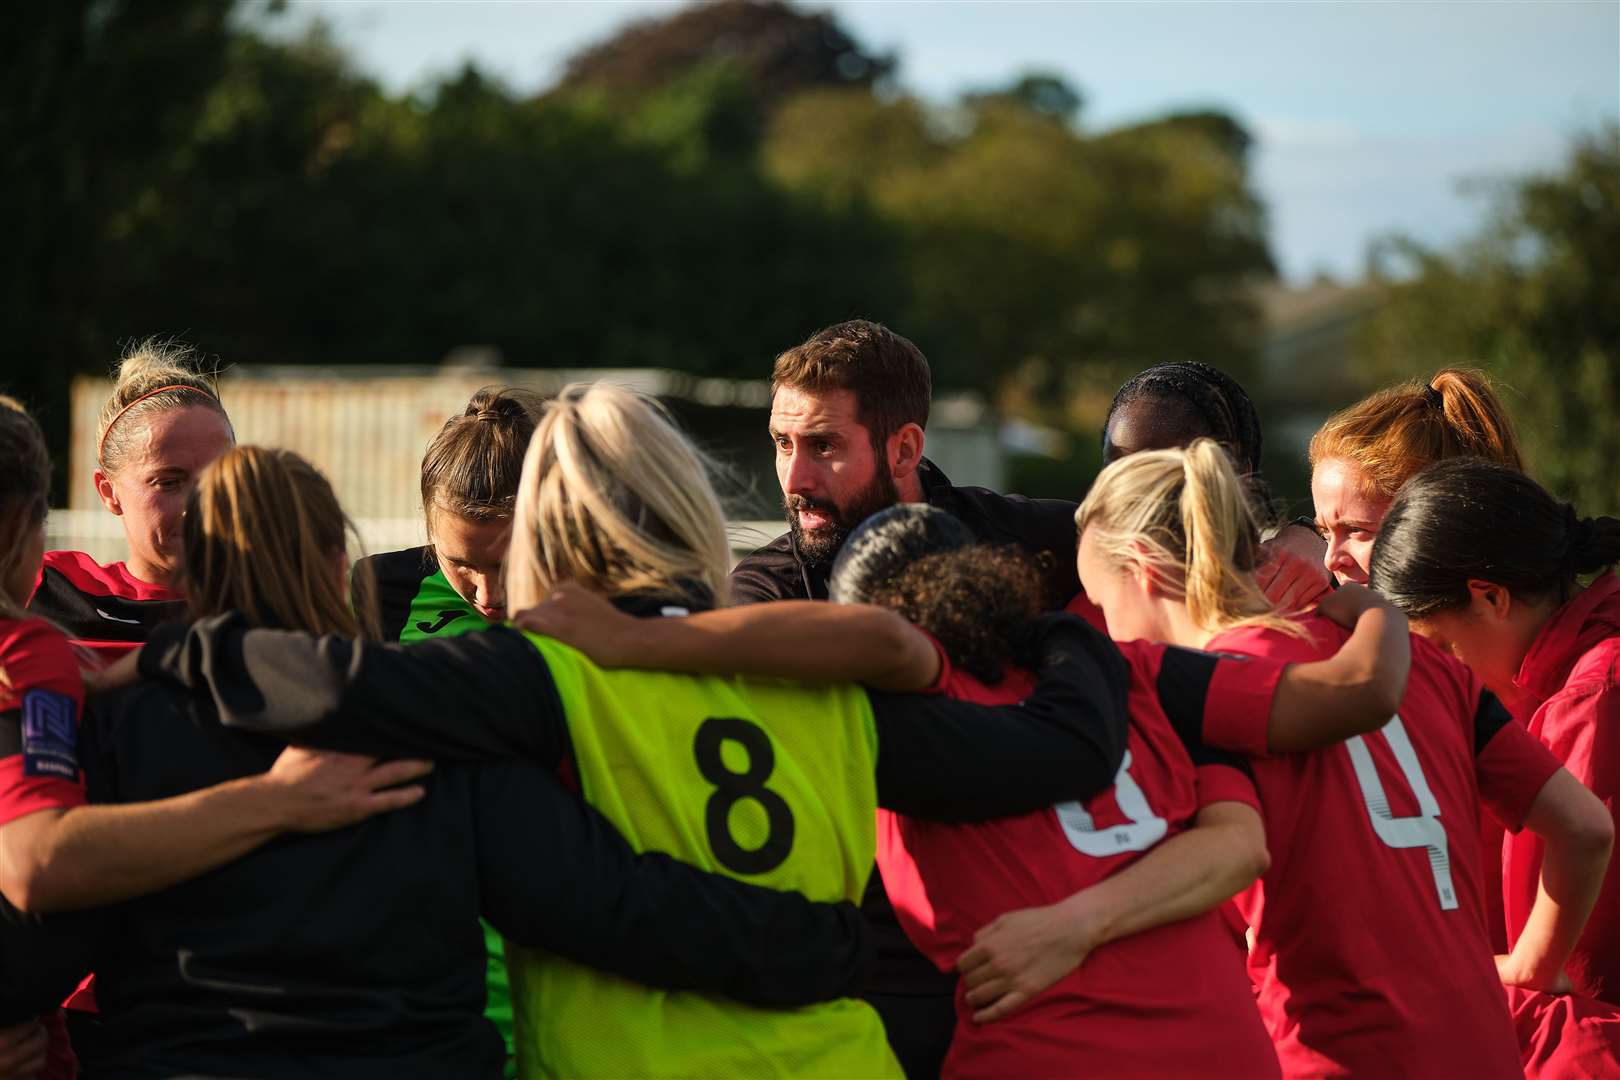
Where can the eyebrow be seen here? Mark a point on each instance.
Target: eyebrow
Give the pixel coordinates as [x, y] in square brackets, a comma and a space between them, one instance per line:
[828, 435]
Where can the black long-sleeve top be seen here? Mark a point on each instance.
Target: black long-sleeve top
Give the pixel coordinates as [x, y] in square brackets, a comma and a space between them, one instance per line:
[489, 694]
[357, 953]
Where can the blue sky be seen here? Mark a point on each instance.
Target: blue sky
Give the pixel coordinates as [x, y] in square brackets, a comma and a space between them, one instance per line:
[1368, 114]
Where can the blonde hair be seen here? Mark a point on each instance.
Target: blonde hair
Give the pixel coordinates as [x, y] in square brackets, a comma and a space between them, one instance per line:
[1391, 434]
[613, 496]
[261, 533]
[25, 484]
[1187, 515]
[153, 377]
[472, 466]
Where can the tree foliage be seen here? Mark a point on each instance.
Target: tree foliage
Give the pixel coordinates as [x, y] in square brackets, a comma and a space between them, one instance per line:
[1044, 261]
[1535, 299]
[699, 192]
[777, 48]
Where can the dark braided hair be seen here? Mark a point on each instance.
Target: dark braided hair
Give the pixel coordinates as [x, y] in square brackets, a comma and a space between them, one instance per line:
[1214, 397]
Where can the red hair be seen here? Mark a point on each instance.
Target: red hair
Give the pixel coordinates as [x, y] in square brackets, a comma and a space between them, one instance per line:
[1394, 432]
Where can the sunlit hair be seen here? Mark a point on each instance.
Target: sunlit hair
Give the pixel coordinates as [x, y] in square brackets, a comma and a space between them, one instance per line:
[25, 484]
[1396, 431]
[1186, 517]
[616, 498]
[264, 535]
[139, 394]
[472, 466]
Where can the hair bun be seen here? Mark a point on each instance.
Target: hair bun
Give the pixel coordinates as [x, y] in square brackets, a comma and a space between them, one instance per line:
[1593, 542]
[503, 405]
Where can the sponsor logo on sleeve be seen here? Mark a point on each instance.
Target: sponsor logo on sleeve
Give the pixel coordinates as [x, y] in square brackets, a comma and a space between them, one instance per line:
[50, 730]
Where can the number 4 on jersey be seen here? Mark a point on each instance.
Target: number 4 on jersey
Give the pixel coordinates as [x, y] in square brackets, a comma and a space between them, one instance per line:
[1421, 831]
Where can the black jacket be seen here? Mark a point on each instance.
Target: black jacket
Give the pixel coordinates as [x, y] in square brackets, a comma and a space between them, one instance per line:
[1042, 527]
[358, 952]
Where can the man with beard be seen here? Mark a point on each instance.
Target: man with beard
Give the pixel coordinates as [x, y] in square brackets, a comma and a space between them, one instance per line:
[848, 408]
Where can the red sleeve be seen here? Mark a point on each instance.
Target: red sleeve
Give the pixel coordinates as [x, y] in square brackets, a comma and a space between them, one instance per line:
[1223, 783]
[41, 697]
[942, 680]
[1242, 723]
[1512, 768]
[1237, 705]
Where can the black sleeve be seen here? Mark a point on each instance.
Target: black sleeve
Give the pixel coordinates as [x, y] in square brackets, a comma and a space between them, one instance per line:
[485, 694]
[951, 761]
[42, 959]
[1183, 687]
[1490, 717]
[555, 873]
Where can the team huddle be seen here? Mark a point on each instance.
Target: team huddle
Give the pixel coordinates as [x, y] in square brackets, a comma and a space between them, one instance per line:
[942, 782]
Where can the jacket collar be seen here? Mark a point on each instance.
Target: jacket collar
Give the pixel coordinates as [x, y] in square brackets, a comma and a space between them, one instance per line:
[1592, 616]
[688, 598]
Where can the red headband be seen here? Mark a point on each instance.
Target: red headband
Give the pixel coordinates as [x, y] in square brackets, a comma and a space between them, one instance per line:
[119, 415]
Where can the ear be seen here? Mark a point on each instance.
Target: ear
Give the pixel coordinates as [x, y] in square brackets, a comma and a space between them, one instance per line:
[1489, 600]
[905, 451]
[105, 492]
[1141, 571]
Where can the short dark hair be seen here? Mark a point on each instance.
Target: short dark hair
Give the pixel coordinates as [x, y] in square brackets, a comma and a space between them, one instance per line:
[1469, 519]
[888, 374]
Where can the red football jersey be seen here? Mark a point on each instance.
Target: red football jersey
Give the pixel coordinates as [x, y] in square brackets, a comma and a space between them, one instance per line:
[1173, 1001]
[1370, 951]
[104, 609]
[41, 697]
[1568, 688]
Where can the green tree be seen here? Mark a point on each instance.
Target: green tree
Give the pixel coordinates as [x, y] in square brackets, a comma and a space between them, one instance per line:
[96, 98]
[1044, 262]
[776, 47]
[1535, 299]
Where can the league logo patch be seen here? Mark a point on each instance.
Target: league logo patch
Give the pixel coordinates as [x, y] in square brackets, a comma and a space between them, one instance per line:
[50, 729]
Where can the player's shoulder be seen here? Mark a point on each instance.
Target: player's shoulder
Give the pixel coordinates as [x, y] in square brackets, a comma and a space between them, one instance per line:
[36, 655]
[1598, 668]
[409, 564]
[1318, 636]
[768, 573]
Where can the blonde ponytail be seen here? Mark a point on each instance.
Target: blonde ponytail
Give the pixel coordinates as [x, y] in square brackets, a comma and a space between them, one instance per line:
[615, 497]
[1185, 514]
